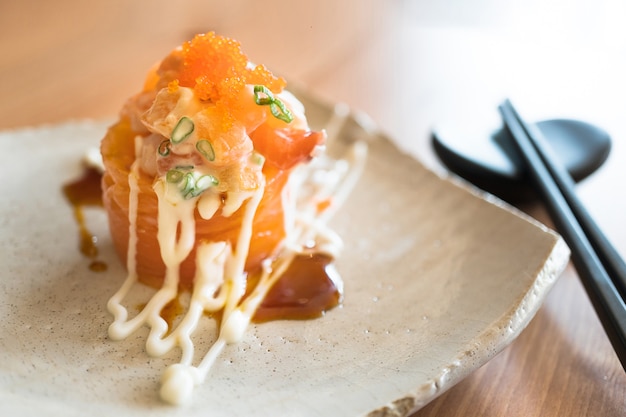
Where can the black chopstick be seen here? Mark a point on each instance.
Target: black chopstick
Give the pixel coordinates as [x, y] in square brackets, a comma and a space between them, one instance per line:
[597, 264]
[606, 252]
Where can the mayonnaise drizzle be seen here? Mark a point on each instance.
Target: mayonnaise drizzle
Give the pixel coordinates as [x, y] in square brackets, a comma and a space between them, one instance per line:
[220, 281]
[120, 313]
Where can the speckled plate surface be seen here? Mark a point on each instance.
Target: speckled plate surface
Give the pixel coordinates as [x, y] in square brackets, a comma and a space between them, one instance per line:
[438, 279]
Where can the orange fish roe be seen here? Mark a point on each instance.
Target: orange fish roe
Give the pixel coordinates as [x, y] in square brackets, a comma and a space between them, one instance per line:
[172, 86]
[217, 69]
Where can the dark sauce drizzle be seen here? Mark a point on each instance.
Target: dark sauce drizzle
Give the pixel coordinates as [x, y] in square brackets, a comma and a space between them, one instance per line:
[86, 192]
[309, 287]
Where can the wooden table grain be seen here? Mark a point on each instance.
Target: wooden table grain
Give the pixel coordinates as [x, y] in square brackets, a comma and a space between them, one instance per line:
[409, 65]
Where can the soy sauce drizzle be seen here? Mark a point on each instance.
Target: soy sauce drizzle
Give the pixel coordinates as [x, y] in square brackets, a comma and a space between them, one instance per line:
[86, 192]
[308, 288]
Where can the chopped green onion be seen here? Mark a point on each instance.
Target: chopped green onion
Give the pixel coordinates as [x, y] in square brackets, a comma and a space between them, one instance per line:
[164, 147]
[281, 112]
[174, 176]
[182, 130]
[206, 181]
[263, 97]
[206, 149]
[257, 158]
[203, 183]
[190, 184]
[187, 185]
[261, 101]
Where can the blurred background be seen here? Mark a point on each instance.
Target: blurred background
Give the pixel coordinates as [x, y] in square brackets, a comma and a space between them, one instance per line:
[410, 65]
[432, 58]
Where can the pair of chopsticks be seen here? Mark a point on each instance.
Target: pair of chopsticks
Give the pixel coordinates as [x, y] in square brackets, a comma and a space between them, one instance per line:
[601, 269]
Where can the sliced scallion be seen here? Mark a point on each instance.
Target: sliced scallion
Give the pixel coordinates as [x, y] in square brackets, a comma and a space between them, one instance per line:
[182, 130]
[268, 97]
[174, 176]
[206, 181]
[189, 183]
[281, 112]
[264, 97]
[202, 184]
[257, 159]
[205, 148]
[164, 147]
[184, 167]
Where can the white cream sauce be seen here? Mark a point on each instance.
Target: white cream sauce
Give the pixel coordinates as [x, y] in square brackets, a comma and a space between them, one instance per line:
[220, 281]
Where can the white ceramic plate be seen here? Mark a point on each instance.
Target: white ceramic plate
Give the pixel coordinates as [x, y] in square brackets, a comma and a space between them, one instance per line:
[438, 279]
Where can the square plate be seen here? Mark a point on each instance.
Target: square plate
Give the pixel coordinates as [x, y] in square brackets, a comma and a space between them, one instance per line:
[438, 279]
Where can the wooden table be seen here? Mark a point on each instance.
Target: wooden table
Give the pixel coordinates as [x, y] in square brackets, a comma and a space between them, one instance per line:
[410, 66]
